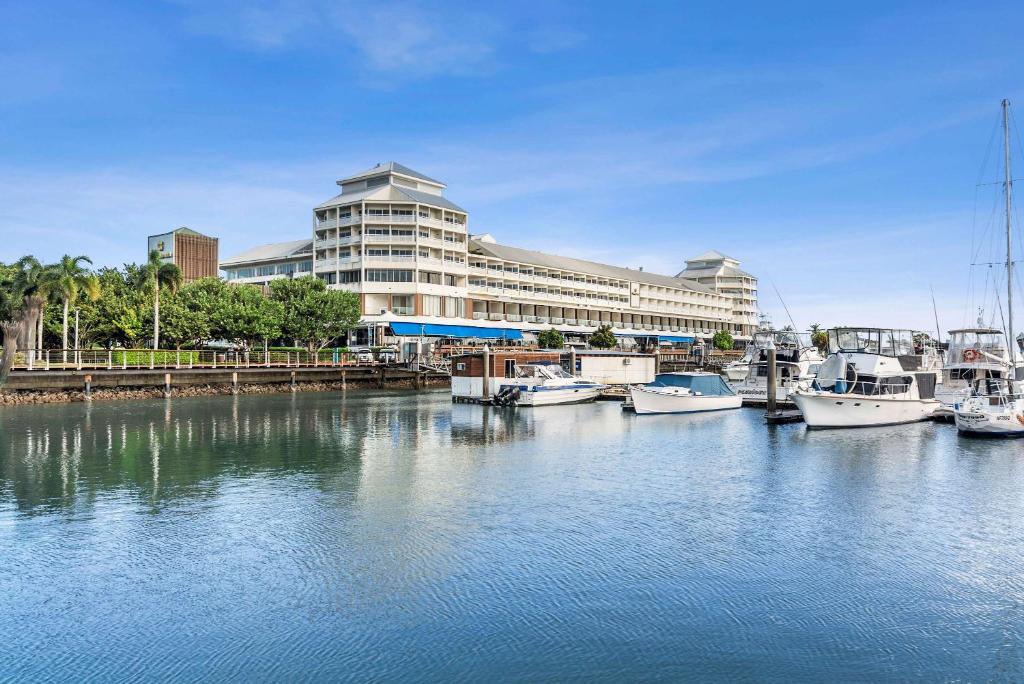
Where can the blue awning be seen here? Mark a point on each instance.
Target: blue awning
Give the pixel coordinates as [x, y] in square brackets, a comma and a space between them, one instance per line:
[439, 330]
[674, 338]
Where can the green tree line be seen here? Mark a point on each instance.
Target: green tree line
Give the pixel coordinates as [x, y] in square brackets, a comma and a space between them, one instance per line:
[149, 305]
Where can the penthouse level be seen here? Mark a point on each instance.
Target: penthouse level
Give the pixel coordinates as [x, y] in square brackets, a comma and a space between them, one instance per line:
[393, 237]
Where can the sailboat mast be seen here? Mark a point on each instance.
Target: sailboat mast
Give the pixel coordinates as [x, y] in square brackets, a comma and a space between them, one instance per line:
[1008, 186]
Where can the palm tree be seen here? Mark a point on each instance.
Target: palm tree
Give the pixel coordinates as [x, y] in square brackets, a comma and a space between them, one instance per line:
[32, 284]
[154, 275]
[70, 279]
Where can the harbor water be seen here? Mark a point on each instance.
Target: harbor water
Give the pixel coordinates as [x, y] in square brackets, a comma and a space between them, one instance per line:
[397, 537]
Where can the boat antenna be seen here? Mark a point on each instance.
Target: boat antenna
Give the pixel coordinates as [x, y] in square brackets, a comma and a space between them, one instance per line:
[1008, 186]
[779, 295]
[938, 330]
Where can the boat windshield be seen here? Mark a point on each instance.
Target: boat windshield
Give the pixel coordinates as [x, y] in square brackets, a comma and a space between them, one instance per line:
[554, 371]
[965, 346]
[872, 341]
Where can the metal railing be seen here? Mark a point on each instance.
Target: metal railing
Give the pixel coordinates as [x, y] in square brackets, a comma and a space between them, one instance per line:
[165, 359]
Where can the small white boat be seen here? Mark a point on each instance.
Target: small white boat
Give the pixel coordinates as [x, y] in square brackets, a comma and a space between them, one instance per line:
[683, 393]
[994, 408]
[796, 359]
[546, 385]
[872, 377]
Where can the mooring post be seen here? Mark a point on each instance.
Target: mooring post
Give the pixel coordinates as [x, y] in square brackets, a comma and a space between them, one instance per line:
[167, 385]
[234, 382]
[293, 381]
[572, 360]
[88, 388]
[382, 373]
[343, 385]
[486, 394]
[657, 360]
[771, 380]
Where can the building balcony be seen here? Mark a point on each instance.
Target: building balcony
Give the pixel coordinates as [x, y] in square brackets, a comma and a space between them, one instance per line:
[479, 316]
[342, 264]
[495, 317]
[391, 259]
[389, 239]
[389, 218]
[515, 318]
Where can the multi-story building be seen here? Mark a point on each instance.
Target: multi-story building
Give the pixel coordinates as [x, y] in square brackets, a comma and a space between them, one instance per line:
[723, 274]
[260, 265]
[194, 253]
[392, 237]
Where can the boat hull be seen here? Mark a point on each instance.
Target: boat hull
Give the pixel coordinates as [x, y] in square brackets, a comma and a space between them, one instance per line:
[561, 395]
[646, 401]
[827, 410]
[974, 418]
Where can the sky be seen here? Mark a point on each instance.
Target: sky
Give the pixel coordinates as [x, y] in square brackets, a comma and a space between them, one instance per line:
[836, 149]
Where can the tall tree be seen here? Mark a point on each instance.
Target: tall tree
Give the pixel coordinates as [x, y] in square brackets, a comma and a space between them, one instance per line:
[312, 313]
[31, 284]
[602, 338]
[71, 279]
[154, 276]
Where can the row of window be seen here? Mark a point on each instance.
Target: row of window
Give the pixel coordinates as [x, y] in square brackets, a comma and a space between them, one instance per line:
[268, 270]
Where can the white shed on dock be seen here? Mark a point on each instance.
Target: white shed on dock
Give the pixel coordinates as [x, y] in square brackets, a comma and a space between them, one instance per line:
[613, 367]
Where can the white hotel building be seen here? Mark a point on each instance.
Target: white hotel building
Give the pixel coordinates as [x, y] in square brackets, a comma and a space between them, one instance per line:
[392, 237]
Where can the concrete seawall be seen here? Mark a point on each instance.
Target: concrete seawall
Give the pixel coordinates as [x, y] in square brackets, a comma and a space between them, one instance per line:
[33, 387]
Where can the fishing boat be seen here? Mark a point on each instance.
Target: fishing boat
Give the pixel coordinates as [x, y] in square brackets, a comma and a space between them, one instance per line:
[995, 406]
[546, 385]
[873, 376]
[683, 393]
[796, 361]
[739, 369]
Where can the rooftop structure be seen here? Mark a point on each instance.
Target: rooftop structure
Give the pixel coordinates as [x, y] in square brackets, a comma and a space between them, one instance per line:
[260, 265]
[194, 253]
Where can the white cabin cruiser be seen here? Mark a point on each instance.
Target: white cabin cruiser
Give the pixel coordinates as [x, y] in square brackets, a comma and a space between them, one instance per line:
[683, 393]
[538, 384]
[796, 362]
[873, 376]
[995, 406]
[973, 354]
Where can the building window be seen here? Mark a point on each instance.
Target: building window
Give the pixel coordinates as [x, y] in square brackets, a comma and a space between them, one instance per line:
[430, 278]
[450, 280]
[431, 305]
[388, 275]
[348, 276]
[454, 307]
[402, 305]
[304, 266]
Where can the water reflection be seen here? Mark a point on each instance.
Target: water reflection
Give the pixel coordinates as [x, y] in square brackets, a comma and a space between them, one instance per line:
[382, 535]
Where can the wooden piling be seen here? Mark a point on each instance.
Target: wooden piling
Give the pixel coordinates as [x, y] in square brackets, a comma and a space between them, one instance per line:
[772, 407]
[486, 394]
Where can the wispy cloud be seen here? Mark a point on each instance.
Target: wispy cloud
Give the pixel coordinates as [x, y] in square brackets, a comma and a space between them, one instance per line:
[399, 38]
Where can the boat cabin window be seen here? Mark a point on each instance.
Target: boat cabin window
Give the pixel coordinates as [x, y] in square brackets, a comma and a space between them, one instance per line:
[872, 341]
[526, 372]
[556, 372]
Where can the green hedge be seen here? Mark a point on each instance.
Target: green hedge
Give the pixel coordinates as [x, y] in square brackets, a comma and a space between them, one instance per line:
[120, 357]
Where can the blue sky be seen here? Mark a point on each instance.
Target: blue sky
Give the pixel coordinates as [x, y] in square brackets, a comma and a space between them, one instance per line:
[833, 148]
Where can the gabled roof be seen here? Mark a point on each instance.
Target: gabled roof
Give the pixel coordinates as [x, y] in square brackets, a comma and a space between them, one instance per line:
[271, 252]
[705, 271]
[390, 167]
[184, 230]
[391, 193]
[712, 255]
[528, 256]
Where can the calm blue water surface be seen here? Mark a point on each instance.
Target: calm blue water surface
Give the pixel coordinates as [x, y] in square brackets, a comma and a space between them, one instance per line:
[396, 537]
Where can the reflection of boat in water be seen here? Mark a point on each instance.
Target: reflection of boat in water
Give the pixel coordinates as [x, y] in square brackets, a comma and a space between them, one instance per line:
[796, 362]
[683, 393]
[872, 377]
[547, 385]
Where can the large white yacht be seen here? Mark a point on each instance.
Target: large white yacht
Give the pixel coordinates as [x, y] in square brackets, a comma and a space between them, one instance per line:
[873, 376]
[796, 361]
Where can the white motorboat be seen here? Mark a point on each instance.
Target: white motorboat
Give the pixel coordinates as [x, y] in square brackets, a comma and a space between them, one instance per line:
[739, 369]
[873, 376]
[546, 385]
[996, 406]
[796, 361]
[973, 354]
[683, 393]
